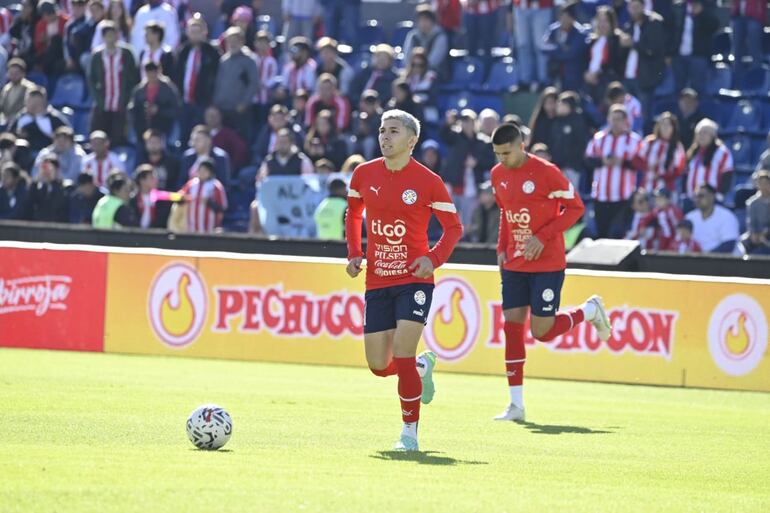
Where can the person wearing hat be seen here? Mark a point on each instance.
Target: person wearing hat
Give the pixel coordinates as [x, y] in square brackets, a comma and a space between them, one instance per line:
[14, 92]
[300, 18]
[195, 74]
[689, 115]
[237, 83]
[111, 78]
[756, 240]
[38, 121]
[427, 34]
[330, 62]
[161, 12]
[47, 199]
[49, 38]
[565, 45]
[155, 102]
[299, 72]
[69, 153]
[379, 76]
[101, 161]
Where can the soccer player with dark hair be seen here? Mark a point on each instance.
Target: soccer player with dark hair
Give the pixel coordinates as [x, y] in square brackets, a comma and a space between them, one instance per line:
[400, 196]
[537, 205]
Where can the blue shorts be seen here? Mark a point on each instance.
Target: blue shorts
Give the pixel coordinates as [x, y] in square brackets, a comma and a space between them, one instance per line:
[540, 291]
[383, 307]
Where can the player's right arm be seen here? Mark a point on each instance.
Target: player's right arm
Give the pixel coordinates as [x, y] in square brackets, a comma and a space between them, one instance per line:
[503, 232]
[353, 222]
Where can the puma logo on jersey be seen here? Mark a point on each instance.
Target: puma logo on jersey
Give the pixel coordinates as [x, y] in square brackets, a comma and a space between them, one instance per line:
[376, 190]
[504, 185]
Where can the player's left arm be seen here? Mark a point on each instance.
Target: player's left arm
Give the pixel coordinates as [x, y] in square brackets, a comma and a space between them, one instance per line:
[561, 190]
[445, 211]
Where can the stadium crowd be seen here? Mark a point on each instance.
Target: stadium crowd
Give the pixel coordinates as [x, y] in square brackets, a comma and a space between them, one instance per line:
[139, 113]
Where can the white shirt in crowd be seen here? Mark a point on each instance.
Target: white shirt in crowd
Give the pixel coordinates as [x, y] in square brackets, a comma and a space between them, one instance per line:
[164, 14]
[721, 226]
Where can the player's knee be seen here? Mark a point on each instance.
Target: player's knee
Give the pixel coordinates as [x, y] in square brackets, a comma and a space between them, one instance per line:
[381, 372]
[542, 334]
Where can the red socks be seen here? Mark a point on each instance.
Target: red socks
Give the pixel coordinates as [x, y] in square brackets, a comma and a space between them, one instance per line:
[515, 352]
[409, 388]
[564, 321]
[387, 371]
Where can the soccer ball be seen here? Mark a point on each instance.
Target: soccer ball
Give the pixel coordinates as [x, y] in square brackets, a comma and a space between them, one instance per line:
[209, 427]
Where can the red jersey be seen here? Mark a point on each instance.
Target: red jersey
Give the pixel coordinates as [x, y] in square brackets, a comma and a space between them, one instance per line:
[537, 200]
[398, 206]
[665, 221]
[684, 246]
[201, 218]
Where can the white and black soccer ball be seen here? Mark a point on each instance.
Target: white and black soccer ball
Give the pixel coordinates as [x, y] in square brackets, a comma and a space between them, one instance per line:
[209, 427]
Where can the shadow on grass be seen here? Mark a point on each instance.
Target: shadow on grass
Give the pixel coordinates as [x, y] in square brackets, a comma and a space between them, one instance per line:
[423, 458]
[549, 429]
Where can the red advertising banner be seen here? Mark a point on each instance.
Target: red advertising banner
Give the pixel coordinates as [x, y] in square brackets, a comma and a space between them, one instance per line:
[52, 299]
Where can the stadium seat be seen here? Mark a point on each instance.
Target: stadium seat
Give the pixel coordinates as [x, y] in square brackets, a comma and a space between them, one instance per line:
[745, 116]
[481, 101]
[70, 91]
[370, 33]
[127, 155]
[502, 77]
[400, 32]
[38, 78]
[754, 81]
[713, 109]
[721, 46]
[81, 121]
[466, 73]
[358, 60]
[743, 191]
[719, 77]
[766, 43]
[267, 23]
[740, 146]
[662, 105]
[758, 147]
[667, 87]
[459, 100]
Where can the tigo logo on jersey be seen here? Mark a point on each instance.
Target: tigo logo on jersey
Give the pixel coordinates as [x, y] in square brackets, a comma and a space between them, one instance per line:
[522, 217]
[409, 197]
[737, 334]
[454, 321]
[393, 233]
[528, 187]
[177, 304]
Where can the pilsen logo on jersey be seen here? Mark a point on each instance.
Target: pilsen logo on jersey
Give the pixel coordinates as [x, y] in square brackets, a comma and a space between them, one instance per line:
[37, 294]
[390, 259]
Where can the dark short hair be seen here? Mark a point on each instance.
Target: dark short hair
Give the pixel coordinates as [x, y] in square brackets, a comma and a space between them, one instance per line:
[13, 168]
[52, 158]
[201, 129]
[151, 66]
[84, 179]
[506, 133]
[208, 164]
[685, 223]
[116, 181]
[337, 184]
[708, 188]
[158, 28]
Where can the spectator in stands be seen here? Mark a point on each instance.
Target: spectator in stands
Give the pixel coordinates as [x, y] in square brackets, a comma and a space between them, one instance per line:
[113, 211]
[49, 38]
[636, 223]
[430, 155]
[112, 77]
[351, 163]
[541, 150]
[161, 12]
[226, 138]
[427, 34]
[715, 228]
[155, 51]
[38, 121]
[101, 162]
[379, 76]
[611, 154]
[749, 17]
[243, 18]
[617, 94]
[202, 148]
[664, 219]
[300, 18]
[756, 240]
[72, 47]
[13, 191]
[684, 242]
[6, 20]
[423, 83]
[47, 199]
[166, 164]
[689, 115]
[155, 102]
[485, 220]
[645, 38]
[150, 205]
[449, 14]
[481, 26]
[764, 158]
[207, 199]
[299, 107]
[568, 137]
[329, 61]
[116, 11]
[300, 71]
[341, 20]
[330, 214]
[322, 140]
[364, 138]
[543, 116]
[489, 120]
[328, 98]
[325, 167]
[695, 24]
[84, 37]
[14, 92]
[662, 155]
[403, 99]
[285, 159]
[83, 199]
[463, 169]
[23, 32]
[371, 105]
[267, 69]
[15, 150]
[237, 83]
[195, 75]
[67, 151]
[267, 138]
[710, 161]
[566, 44]
[531, 20]
[606, 61]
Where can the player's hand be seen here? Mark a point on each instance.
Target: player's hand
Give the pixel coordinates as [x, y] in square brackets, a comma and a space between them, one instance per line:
[422, 267]
[354, 266]
[533, 248]
[501, 260]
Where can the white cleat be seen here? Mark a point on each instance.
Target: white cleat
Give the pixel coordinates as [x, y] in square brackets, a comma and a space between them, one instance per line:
[512, 413]
[601, 320]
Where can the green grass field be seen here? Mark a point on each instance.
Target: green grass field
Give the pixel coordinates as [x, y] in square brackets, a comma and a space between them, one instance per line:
[105, 433]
